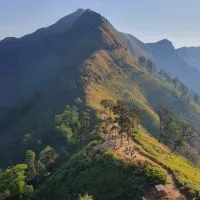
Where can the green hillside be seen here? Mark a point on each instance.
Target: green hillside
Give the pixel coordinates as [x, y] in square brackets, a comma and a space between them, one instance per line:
[99, 173]
[116, 75]
[87, 172]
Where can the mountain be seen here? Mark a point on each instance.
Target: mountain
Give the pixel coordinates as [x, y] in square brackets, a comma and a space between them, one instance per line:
[191, 55]
[182, 62]
[59, 27]
[23, 60]
[135, 46]
[166, 57]
[28, 63]
[40, 76]
[84, 57]
[41, 73]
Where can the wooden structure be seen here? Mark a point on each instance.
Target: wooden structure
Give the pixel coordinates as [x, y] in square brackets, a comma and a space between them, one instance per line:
[159, 191]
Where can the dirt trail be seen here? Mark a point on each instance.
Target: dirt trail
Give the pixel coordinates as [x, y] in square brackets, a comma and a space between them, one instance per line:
[128, 151]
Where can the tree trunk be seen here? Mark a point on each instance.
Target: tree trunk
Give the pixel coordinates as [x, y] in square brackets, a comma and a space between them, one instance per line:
[121, 138]
[128, 139]
[165, 136]
[174, 149]
[176, 146]
[110, 112]
[160, 132]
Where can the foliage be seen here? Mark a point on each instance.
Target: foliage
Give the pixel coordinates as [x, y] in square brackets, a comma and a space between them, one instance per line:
[13, 181]
[40, 168]
[101, 175]
[48, 156]
[150, 67]
[75, 124]
[78, 100]
[30, 161]
[68, 124]
[186, 174]
[179, 86]
[107, 104]
[174, 132]
[186, 134]
[28, 190]
[128, 119]
[142, 60]
[164, 117]
[86, 197]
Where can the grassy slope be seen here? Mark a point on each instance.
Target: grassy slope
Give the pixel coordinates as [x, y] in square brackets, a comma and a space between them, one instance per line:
[116, 81]
[116, 75]
[133, 83]
[101, 174]
[107, 77]
[187, 175]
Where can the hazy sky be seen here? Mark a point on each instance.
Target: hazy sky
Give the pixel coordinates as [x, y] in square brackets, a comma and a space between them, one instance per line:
[149, 20]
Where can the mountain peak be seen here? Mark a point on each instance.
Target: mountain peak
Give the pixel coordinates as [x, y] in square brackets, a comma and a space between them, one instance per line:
[68, 20]
[8, 39]
[80, 10]
[164, 41]
[163, 44]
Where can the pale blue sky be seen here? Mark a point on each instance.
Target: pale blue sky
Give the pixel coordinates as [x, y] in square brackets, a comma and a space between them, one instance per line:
[149, 20]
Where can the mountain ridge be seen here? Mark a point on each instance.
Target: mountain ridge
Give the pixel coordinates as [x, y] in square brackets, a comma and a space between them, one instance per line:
[47, 70]
[89, 62]
[55, 68]
[190, 55]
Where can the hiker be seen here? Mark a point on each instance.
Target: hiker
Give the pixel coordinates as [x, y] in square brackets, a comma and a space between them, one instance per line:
[132, 153]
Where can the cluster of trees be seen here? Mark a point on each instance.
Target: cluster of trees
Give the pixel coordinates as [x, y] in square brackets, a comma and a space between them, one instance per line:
[175, 132]
[20, 180]
[77, 125]
[86, 197]
[38, 168]
[148, 63]
[13, 182]
[178, 86]
[174, 81]
[126, 117]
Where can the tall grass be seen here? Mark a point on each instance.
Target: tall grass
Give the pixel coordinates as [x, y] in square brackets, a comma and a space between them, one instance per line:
[185, 173]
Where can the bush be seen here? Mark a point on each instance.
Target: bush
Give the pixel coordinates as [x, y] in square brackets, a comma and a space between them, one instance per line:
[103, 176]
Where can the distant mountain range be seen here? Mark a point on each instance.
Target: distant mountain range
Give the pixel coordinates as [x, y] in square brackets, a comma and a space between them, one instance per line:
[183, 63]
[168, 58]
[191, 55]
